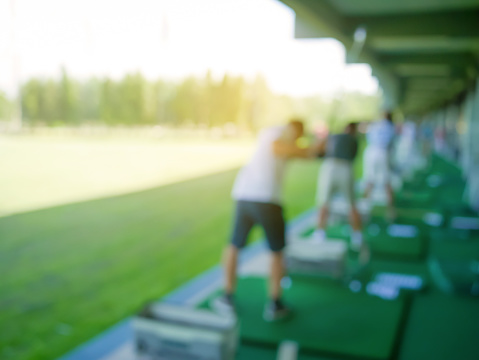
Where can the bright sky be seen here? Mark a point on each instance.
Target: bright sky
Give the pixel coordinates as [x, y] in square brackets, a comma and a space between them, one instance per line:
[172, 39]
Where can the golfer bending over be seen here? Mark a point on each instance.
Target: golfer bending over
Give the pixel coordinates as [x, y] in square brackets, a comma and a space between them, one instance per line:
[257, 191]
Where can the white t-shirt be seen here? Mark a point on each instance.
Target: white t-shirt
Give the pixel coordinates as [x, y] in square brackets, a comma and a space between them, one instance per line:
[380, 134]
[261, 179]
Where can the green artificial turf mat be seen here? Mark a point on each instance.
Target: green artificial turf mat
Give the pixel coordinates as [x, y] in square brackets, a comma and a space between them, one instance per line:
[251, 352]
[342, 231]
[462, 275]
[368, 273]
[393, 247]
[382, 244]
[339, 231]
[415, 214]
[455, 249]
[404, 217]
[442, 328]
[328, 319]
[308, 232]
[407, 268]
[257, 352]
[453, 235]
[415, 198]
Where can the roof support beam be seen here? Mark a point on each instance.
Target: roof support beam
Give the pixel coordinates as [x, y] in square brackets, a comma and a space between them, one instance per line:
[462, 24]
[422, 59]
[463, 59]
[309, 25]
[318, 19]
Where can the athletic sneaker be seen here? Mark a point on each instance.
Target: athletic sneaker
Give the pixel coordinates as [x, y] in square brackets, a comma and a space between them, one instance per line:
[319, 236]
[356, 240]
[364, 254]
[391, 215]
[276, 311]
[223, 304]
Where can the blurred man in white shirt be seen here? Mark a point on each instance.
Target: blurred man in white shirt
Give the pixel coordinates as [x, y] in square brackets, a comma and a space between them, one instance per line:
[258, 195]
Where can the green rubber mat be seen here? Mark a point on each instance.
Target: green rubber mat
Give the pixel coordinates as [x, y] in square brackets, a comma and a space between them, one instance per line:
[405, 215]
[342, 231]
[415, 198]
[459, 235]
[455, 277]
[442, 328]
[453, 265]
[405, 248]
[250, 352]
[329, 319]
[399, 248]
[383, 245]
[454, 249]
[256, 352]
[398, 267]
[414, 215]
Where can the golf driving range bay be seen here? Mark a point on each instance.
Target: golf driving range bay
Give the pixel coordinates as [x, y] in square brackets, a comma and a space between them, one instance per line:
[73, 271]
[416, 298]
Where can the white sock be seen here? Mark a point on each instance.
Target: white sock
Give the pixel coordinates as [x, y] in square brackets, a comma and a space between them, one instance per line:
[319, 235]
[356, 239]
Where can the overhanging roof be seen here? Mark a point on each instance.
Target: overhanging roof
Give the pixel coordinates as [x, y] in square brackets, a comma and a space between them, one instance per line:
[424, 52]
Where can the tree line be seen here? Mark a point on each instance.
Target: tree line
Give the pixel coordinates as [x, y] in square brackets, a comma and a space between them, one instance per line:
[197, 101]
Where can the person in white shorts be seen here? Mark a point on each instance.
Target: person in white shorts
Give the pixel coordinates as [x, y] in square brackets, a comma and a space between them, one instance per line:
[337, 175]
[257, 192]
[376, 164]
[407, 158]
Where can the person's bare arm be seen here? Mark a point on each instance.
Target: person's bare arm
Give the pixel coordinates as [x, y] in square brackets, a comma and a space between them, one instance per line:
[320, 148]
[284, 149]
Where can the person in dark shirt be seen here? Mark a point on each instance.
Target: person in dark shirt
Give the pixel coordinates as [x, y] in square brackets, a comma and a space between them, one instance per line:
[337, 175]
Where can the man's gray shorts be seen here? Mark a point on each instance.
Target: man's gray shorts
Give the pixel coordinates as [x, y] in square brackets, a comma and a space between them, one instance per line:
[269, 216]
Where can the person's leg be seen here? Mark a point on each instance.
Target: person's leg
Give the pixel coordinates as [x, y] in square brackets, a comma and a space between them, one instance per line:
[368, 189]
[368, 169]
[325, 189]
[357, 241]
[346, 181]
[230, 263]
[364, 253]
[391, 211]
[390, 193]
[270, 217]
[355, 218]
[242, 226]
[319, 234]
[323, 216]
[277, 273]
[275, 309]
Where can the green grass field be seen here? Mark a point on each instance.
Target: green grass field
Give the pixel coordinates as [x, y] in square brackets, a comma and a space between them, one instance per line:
[71, 271]
[43, 171]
